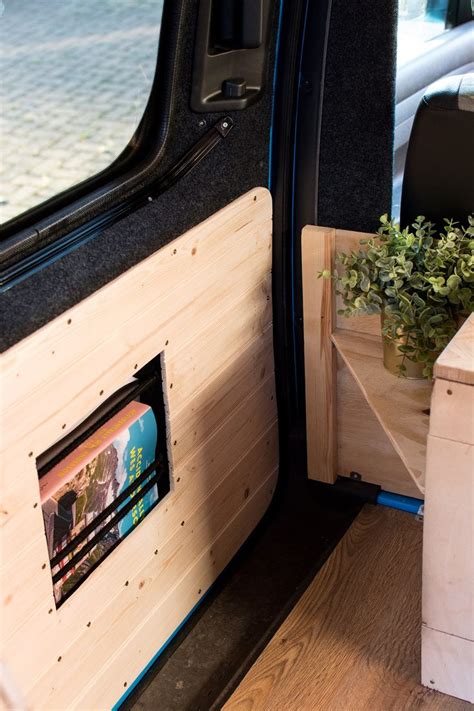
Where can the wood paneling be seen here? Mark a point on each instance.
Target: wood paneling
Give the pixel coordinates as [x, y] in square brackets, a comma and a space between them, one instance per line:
[352, 641]
[204, 301]
[452, 411]
[317, 246]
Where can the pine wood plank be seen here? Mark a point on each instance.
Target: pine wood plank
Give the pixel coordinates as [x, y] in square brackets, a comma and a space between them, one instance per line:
[190, 424]
[447, 664]
[317, 246]
[352, 641]
[205, 299]
[448, 543]
[138, 291]
[452, 411]
[172, 317]
[155, 579]
[363, 446]
[456, 362]
[33, 596]
[103, 689]
[400, 405]
[448, 550]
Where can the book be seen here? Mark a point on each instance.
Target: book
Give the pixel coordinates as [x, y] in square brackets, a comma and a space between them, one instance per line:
[88, 480]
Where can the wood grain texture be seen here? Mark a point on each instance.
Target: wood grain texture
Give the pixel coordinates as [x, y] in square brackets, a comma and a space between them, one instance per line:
[447, 663]
[448, 542]
[448, 548]
[456, 362]
[204, 302]
[452, 411]
[400, 405]
[362, 445]
[353, 640]
[320, 365]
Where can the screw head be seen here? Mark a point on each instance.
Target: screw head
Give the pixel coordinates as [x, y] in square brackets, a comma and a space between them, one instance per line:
[202, 123]
[225, 124]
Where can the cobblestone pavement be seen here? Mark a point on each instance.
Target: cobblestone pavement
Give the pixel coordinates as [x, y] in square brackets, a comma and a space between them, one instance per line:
[75, 76]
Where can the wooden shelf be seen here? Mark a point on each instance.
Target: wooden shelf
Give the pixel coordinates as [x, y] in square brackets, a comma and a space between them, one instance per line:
[400, 405]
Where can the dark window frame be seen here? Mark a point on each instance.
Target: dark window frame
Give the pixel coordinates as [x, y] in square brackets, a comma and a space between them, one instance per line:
[136, 165]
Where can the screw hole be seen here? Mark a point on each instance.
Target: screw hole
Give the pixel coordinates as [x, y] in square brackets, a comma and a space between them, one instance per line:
[182, 523]
[50, 611]
[63, 427]
[35, 506]
[135, 366]
[178, 479]
[255, 198]
[171, 386]
[175, 442]
[69, 321]
[59, 659]
[166, 343]
[101, 392]
[125, 684]
[126, 583]
[30, 454]
[43, 567]
[88, 624]
[156, 551]
[199, 591]
[431, 681]
[450, 392]
[174, 251]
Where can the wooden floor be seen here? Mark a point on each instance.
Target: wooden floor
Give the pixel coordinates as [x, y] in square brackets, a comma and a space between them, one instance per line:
[352, 642]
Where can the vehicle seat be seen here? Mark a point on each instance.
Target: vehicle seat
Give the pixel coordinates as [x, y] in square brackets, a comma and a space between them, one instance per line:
[439, 171]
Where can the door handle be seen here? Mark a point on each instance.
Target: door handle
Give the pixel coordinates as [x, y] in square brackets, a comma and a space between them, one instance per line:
[230, 54]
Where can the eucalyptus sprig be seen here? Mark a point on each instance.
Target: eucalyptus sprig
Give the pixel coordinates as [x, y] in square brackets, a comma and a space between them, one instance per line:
[422, 279]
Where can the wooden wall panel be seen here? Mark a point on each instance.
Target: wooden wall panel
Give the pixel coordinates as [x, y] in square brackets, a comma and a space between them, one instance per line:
[204, 301]
[317, 245]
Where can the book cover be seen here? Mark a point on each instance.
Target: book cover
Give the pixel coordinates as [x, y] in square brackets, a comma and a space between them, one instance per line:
[89, 479]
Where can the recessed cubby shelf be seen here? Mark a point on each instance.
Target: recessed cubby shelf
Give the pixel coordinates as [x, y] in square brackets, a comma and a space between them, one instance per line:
[400, 405]
[104, 478]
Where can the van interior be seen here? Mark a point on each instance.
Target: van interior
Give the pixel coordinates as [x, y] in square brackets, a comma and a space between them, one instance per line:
[237, 355]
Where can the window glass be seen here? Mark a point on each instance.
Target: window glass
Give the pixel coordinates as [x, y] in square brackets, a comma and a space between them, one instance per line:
[75, 79]
[418, 22]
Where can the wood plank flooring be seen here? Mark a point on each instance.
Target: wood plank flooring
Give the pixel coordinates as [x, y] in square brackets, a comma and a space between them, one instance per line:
[352, 643]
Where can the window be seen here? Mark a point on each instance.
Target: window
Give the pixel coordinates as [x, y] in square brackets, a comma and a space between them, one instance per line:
[435, 39]
[418, 22]
[76, 78]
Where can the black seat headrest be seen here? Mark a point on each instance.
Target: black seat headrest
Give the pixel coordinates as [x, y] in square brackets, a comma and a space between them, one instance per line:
[439, 172]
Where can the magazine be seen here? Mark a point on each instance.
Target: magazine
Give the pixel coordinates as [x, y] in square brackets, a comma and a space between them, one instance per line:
[88, 480]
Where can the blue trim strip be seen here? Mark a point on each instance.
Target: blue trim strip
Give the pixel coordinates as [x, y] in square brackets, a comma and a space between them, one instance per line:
[402, 503]
[293, 191]
[275, 75]
[152, 661]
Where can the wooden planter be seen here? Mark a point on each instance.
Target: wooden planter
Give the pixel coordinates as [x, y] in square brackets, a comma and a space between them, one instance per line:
[410, 437]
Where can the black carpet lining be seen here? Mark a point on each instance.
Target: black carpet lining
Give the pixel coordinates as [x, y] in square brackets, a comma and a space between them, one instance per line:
[237, 165]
